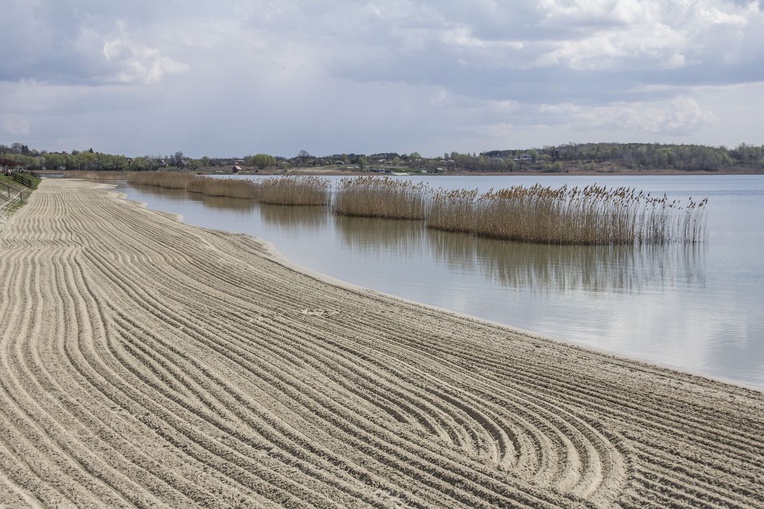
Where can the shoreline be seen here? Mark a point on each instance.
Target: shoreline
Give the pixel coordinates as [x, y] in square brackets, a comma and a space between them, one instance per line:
[339, 172]
[331, 280]
[219, 361]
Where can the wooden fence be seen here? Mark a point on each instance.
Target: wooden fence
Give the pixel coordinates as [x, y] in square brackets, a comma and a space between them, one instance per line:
[21, 179]
[9, 194]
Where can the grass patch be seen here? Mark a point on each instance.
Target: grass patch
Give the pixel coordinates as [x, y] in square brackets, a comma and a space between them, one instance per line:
[13, 195]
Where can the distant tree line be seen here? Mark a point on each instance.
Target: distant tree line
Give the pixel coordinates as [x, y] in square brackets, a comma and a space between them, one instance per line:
[641, 156]
[547, 159]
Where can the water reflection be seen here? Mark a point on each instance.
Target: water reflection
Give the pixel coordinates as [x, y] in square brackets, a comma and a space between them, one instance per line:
[545, 268]
[367, 234]
[521, 266]
[284, 216]
[213, 202]
[693, 307]
[221, 203]
[170, 194]
[534, 267]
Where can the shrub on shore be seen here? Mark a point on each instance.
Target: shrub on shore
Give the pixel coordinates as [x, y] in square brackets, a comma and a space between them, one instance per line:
[380, 197]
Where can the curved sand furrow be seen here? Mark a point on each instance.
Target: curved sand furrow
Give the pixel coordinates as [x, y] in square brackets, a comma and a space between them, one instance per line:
[587, 451]
[581, 386]
[165, 317]
[197, 368]
[82, 421]
[42, 438]
[225, 427]
[664, 414]
[485, 423]
[134, 326]
[140, 383]
[338, 370]
[277, 382]
[96, 416]
[209, 496]
[92, 360]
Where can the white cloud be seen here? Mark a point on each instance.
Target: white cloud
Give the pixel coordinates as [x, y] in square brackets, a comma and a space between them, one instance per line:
[127, 60]
[240, 76]
[652, 33]
[676, 116]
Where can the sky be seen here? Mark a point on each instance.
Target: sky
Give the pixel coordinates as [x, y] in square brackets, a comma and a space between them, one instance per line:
[240, 77]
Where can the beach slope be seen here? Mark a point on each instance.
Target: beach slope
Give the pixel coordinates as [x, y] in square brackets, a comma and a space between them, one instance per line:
[148, 363]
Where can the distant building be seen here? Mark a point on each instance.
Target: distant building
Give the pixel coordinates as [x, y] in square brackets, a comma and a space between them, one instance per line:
[236, 169]
[524, 158]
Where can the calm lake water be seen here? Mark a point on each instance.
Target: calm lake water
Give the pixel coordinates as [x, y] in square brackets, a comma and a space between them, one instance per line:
[696, 308]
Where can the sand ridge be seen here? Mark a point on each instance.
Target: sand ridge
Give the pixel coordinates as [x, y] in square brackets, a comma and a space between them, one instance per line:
[148, 363]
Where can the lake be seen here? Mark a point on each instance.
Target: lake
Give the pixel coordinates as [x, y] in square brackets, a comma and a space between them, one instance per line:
[696, 308]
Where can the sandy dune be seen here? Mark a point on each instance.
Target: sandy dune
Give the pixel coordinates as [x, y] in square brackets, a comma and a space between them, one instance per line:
[147, 363]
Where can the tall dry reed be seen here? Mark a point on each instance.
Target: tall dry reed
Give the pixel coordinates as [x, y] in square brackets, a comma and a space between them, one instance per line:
[99, 176]
[453, 211]
[593, 215]
[167, 180]
[228, 188]
[299, 190]
[383, 197]
[282, 190]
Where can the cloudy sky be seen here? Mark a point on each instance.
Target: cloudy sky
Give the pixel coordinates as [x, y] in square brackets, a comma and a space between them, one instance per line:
[238, 77]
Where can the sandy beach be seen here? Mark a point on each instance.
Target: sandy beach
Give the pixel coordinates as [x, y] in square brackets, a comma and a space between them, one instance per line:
[148, 363]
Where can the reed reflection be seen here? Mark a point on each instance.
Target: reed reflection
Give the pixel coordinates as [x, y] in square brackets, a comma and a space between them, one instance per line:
[171, 194]
[554, 268]
[285, 216]
[367, 234]
[222, 203]
[214, 202]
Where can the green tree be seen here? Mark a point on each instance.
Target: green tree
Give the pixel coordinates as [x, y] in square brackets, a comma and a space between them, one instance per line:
[263, 161]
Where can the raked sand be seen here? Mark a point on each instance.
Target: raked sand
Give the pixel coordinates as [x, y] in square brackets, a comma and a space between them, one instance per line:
[148, 363]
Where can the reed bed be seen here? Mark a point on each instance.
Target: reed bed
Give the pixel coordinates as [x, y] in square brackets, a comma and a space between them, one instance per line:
[97, 176]
[453, 211]
[281, 191]
[228, 188]
[593, 215]
[167, 180]
[302, 190]
[382, 197]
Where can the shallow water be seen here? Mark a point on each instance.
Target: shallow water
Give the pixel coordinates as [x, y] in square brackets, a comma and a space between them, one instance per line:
[697, 308]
